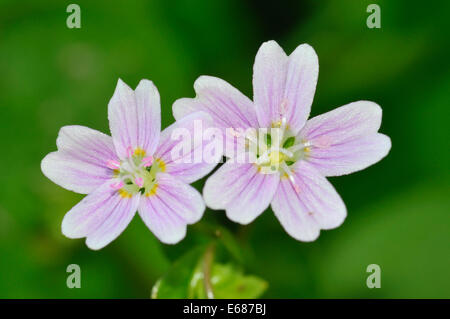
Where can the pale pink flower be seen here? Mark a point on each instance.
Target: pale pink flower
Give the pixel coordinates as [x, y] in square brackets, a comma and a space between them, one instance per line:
[290, 173]
[132, 170]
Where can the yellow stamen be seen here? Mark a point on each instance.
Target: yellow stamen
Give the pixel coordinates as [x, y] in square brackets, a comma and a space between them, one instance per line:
[276, 124]
[161, 164]
[116, 172]
[139, 152]
[124, 194]
[285, 175]
[152, 191]
[276, 157]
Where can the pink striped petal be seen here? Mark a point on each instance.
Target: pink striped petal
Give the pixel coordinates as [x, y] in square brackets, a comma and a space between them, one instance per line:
[284, 86]
[269, 82]
[192, 163]
[101, 216]
[241, 190]
[313, 206]
[171, 208]
[135, 117]
[345, 140]
[351, 156]
[81, 162]
[227, 106]
[301, 80]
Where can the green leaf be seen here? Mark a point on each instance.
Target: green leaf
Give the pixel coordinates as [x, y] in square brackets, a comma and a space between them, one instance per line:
[229, 282]
[175, 283]
[289, 142]
[189, 276]
[227, 239]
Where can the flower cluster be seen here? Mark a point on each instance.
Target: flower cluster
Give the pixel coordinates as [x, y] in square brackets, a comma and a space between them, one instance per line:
[135, 169]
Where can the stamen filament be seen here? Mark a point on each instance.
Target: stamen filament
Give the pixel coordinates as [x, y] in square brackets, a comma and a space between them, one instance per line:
[300, 146]
[285, 152]
[139, 181]
[112, 164]
[129, 152]
[147, 161]
[117, 185]
[288, 172]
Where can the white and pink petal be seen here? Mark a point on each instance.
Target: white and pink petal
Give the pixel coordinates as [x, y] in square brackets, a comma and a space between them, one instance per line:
[351, 156]
[269, 82]
[284, 86]
[344, 123]
[241, 190]
[100, 217]
[170, 207]
[227, 106]
[184, 149]
[309, 205]
[301, 81]
[80, 164]
[135, 117]
[345, 140]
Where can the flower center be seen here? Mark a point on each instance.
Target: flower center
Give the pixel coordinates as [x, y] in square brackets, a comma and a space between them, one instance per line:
[276, 157]
[278, 149]
[136, 174]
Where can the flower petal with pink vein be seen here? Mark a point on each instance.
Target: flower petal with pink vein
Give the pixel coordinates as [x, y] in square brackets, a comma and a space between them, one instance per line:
[182, 163]
[346, 138]
[135, 117]
[313, 206]
[301, 80]
[101, 216]
[352, 156]
[269, 82]
[227, 106]
[171, 208]
[241, 190]
[284, 86]
[80, 163]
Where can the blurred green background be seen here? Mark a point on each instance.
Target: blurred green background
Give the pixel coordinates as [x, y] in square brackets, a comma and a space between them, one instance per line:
[398, 209]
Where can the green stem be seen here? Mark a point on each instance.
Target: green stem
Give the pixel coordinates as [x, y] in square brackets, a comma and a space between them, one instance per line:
[207, 268]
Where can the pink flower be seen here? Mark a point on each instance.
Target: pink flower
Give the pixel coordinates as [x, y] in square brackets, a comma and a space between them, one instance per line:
[132, 170]
[291, 168]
